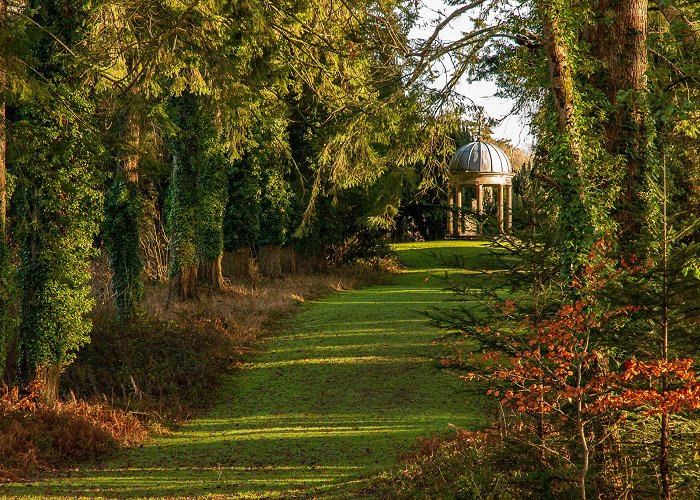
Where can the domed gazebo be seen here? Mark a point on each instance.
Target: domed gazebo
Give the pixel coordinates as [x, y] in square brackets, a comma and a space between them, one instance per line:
[473, 167]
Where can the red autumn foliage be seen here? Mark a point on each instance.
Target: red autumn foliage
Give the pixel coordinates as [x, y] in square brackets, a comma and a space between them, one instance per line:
[555, 362]
[637, 387]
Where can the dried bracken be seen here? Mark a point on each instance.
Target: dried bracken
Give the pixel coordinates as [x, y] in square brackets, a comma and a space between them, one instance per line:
[36, 437]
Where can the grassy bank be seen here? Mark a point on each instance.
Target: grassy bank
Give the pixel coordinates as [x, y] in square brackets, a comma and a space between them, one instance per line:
[335, 398]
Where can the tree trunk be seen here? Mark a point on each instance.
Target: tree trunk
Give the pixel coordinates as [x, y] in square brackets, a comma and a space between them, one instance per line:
[580, 424]
[5, 262]
[574, 217]
[129, 161]
[561, 79]
[184, 283]
[585, 452]
[211, 273]
[3, 140]
[673, 15]
[618, 40]
[184, 211]
[31, 277]
[36, 375]
[664, 462]
[123, 219]
[46, 380]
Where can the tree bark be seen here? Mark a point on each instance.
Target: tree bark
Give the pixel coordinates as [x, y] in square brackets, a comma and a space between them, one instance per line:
[184, 283]
[211, 273]
[673, 15]
[664, 461]
[618, 40]
[561, 77]
[5, 299]
[580, 426]
[130, 158]
[47, 380]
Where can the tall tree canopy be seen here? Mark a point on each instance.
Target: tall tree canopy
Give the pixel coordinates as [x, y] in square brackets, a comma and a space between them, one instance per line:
[243, 124]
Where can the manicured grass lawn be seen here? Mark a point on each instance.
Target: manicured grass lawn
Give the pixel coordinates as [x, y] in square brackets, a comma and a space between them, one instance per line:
[335, 398]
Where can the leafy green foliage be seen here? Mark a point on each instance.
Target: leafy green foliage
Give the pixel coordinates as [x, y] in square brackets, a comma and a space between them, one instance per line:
[242, 218]
[211, 164]
[275, 209]
[121, 233]
[61, 200]
[8, 285]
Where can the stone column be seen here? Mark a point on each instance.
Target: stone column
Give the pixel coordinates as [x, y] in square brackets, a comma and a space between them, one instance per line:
[450, 213]
[460, 217]
[479, 199]
[500, 207]
[509, 217]
[479, 205]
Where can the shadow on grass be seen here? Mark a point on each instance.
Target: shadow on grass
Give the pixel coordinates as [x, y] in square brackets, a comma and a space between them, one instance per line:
[337, 397]
[217, 481]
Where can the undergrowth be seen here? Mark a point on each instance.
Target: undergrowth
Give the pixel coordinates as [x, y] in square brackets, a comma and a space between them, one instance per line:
[167, 364]
[37, 437]
[489, 464]
[159, 370]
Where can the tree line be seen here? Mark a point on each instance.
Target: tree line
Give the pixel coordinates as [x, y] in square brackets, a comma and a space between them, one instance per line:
[241, 123]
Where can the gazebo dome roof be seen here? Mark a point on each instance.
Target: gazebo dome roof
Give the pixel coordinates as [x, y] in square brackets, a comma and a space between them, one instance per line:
[480, 157]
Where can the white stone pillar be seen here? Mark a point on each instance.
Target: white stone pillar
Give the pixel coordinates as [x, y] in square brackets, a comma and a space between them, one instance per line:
[460, 215]
[509, 218]
[450, 213]
[500, 207]
[479, 199]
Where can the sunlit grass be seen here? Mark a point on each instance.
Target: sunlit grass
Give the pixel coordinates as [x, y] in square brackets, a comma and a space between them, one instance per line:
[335, 398]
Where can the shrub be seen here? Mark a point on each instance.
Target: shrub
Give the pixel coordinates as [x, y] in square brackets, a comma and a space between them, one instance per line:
[157, 367]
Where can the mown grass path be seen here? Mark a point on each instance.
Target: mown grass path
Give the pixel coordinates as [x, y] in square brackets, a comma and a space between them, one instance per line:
[334, 399]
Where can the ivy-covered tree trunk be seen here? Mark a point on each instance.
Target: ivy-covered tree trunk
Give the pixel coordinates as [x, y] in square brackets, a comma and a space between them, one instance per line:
[122, 216]
[36, 365]
[197, 198]
[5, 264]
[182, 224]
[3, 138]
[212, 193]
[566, 154]
[61, 213]
[183, 207]
[567, 158]
[60, 202]
[619, 41]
